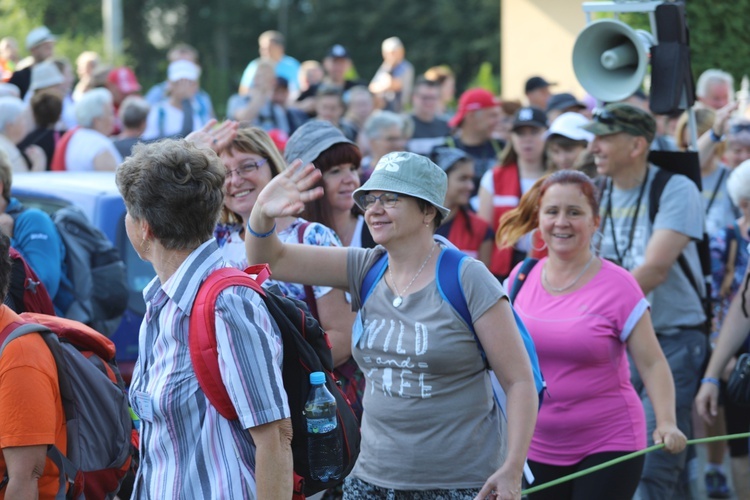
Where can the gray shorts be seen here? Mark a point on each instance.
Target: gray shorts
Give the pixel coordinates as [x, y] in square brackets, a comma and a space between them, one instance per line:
[356, 489]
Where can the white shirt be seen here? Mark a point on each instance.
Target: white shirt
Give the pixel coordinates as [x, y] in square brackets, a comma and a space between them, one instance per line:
[84, 146]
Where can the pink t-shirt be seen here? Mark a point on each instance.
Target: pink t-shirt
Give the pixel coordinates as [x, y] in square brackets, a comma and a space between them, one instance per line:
[580, 337]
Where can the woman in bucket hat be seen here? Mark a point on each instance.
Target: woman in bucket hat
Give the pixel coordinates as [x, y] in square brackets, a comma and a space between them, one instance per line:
[429, 399]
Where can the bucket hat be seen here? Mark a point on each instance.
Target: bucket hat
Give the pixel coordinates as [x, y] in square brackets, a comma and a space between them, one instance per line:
[410, 174]
[311, 139]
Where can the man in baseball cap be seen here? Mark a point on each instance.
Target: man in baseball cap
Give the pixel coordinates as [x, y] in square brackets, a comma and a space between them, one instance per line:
[40, 43]
[477, 116]
[649, 245]
[537, 91]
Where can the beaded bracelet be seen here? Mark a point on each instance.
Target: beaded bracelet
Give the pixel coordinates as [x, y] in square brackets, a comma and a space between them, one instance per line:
[710, 380]
[261, 235]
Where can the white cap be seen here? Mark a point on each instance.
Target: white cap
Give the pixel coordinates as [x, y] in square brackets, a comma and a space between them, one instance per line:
[569, 125]
[179, 70]
[39, 35]
[45, 74]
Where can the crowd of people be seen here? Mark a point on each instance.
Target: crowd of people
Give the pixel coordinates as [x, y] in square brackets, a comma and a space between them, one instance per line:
[322, 176]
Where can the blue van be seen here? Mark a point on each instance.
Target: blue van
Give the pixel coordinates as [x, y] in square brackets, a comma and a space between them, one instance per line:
[97, 195]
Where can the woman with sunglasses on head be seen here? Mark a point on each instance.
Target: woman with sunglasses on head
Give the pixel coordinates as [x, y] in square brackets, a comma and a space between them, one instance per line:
[251, 160]
[431, 428]
[584, 313]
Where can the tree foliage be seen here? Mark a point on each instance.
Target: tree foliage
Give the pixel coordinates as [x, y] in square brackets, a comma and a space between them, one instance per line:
[463, 35]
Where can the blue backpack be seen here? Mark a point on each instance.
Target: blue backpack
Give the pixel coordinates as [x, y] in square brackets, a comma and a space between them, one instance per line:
[449, 285]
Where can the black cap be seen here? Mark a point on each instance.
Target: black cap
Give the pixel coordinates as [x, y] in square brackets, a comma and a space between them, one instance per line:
[530, 117]
[563, 101]
[537, 82]
[338, 51]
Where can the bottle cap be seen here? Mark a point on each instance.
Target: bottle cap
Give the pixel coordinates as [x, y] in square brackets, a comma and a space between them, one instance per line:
[317, 378]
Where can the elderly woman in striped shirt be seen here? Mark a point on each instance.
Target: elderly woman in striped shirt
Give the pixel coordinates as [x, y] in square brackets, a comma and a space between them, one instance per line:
[173, 194]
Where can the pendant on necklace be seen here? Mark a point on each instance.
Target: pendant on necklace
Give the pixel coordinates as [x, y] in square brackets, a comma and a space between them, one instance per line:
[397, 301]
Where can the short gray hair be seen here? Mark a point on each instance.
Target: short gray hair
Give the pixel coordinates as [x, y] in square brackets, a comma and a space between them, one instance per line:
[10, 109]
[92, 105]
[133, 111]
[738, 183]
[377, 122]
[714, 76]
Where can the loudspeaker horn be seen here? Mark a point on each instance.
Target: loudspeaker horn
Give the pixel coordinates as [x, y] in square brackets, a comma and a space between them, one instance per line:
[610, 59]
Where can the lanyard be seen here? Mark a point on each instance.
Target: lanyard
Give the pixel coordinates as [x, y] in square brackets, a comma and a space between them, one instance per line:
[608, 215]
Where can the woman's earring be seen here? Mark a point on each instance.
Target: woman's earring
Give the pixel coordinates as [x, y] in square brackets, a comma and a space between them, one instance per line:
[533, 235]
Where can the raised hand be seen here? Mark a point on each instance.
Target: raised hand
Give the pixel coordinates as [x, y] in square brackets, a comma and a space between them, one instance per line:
[288, 192]
[213, 137]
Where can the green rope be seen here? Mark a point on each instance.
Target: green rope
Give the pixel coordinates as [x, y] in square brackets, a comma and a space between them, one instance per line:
[604, 465]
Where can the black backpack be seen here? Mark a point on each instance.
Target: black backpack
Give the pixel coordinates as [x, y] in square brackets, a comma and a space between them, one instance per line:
[95, 279]
[306, 350]
[654, 196]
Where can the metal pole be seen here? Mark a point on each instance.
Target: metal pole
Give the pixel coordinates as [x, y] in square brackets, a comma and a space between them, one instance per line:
[112, 22]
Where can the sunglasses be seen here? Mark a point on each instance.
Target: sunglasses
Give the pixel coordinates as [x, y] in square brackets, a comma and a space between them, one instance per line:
[740, 127]
[608, 118]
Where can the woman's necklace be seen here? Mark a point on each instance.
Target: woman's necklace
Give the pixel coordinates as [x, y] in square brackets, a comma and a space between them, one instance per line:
[570, 285]
[399, 296]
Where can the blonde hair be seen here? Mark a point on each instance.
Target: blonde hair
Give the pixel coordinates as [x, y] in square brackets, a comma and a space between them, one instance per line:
[256, 141]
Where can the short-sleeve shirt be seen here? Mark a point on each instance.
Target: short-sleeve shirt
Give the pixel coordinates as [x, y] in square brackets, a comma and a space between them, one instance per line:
[84, 146]
[233, 251]
[187, 449]
[31, 411]
[430, 420]
[680, 210]
[287, 67]
[580, 338]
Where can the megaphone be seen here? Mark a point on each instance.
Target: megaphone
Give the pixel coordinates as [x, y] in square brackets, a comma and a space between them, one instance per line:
[610, 59]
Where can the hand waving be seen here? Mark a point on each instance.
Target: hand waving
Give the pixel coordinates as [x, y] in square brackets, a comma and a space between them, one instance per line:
[288, 192]
[214, 137]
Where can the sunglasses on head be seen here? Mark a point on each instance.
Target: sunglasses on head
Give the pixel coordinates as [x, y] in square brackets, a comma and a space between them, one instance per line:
[608, 118]
[740, 127]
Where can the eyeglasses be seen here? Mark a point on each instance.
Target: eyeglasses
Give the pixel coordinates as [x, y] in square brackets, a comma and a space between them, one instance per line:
[245, 169]
[388, 200]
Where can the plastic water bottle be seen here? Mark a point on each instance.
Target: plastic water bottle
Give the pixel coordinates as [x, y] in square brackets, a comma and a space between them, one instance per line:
[323, 444]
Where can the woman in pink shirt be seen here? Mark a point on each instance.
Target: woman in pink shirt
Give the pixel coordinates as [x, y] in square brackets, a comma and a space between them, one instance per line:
[584, 314]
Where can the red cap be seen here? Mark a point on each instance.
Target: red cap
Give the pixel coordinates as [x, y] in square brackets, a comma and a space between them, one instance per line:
[124, 79]
[472, 100]
[279, 138]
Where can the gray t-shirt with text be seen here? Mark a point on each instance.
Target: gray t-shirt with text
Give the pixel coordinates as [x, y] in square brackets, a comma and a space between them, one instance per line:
[430, 421]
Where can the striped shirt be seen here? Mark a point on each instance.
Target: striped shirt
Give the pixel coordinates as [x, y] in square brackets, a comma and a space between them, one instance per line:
[187, 449]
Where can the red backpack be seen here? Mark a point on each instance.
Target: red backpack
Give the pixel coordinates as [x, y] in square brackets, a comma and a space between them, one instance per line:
[101, 438]
[27, 292]
[306, 350]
